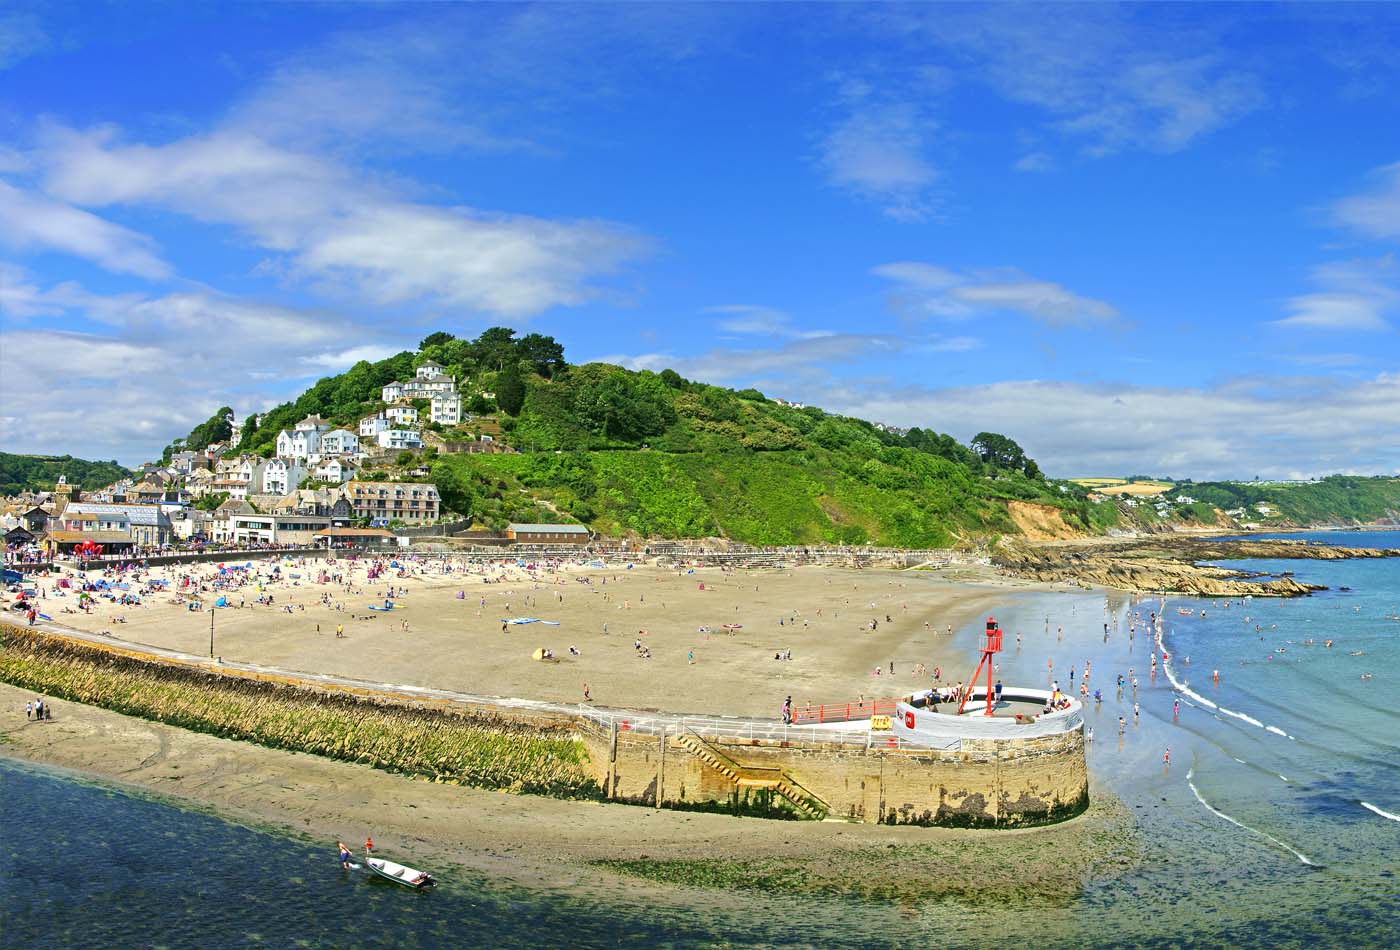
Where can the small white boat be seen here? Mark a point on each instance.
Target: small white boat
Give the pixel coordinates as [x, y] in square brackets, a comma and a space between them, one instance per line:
[400, 874]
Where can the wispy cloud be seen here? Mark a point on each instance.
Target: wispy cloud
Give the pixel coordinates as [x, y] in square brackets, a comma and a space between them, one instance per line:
[345, 235]
[31, 221]
[879, 150]
[153, 366]
[21, 36]
[927, 290]
[1105, 76]
[1352, 295]
[1374, 213]
[757, 320]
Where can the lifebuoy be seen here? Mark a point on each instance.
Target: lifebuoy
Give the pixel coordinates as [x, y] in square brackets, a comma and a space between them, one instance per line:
[909, 719]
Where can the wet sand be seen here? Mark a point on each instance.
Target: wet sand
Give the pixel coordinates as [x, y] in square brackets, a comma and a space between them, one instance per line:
[455, 639]
[547, 842]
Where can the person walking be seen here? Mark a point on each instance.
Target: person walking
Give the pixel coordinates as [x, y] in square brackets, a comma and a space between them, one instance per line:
[29, 711]
[787, 711]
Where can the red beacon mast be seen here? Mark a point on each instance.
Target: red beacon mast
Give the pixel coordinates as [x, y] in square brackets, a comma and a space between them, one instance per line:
[989, 649]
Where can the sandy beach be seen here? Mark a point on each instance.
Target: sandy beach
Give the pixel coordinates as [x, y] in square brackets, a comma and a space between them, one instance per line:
[839, 625]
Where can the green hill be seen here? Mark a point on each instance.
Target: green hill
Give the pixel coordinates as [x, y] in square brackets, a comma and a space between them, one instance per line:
[653, 454]
[40, 472]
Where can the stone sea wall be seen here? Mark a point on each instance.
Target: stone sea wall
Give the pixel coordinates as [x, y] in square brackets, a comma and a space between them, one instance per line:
[985, 783]
[1000, 783]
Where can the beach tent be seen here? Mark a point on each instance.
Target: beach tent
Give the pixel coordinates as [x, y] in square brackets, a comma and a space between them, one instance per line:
[221, 602]
[520, 620]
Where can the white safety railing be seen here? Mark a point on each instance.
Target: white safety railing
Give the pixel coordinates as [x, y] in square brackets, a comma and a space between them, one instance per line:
[760, 730]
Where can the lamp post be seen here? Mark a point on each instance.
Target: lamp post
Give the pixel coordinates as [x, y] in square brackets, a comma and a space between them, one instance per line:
[211, 633]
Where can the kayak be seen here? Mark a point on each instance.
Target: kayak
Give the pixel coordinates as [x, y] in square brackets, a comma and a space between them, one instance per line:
[400, 874]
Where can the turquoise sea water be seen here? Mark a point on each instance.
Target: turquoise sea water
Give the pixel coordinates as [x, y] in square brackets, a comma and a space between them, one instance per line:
[1257, 834]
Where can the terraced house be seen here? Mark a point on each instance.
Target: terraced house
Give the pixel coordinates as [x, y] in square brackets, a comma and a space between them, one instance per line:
[394, 501]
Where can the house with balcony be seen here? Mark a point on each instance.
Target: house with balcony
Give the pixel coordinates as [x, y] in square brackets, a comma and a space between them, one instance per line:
[394, 501]
[398, 439]
[281, 476]
[401, 415]
[339, 442]
[446, 408]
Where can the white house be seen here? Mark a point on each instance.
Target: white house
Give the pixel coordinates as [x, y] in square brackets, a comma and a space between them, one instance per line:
[248, 475]
[340, 442]
[370, 426]
[281, 476]
[303, 440]
[400, 439]
[401, 415]
[428, 370]
[335, 471]
[446, 408]
[392, 392]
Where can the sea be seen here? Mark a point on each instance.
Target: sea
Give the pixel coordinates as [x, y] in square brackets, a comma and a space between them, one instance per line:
[1276, 822]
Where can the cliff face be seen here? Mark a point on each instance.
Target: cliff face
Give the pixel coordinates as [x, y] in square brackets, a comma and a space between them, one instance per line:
[1173, 565]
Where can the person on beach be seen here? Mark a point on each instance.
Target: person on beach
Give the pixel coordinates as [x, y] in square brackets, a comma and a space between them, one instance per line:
[29, 710]
[587, 696]
[369, 845]
[787, 711]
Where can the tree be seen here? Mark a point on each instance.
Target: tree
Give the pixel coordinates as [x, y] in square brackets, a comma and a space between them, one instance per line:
[672, 379]
[211, 502]
[998, 451]
[510, 390]
[250, 430]
[545, 356]
[436, 339]
[496, 347]
[455, 488]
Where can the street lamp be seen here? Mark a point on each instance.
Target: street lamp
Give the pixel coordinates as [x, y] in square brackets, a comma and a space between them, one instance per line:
[211, 633]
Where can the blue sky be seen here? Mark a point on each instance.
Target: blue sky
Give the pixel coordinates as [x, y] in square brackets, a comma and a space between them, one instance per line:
[1138, 239]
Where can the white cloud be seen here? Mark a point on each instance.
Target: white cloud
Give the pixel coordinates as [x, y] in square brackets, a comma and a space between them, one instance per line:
[1034, 162]
[1103, 75]
[751, 319]
[730, 365]
[19, 297]
[1274, 427]
[21, 36]
[158, 365]
[880, 152]
[1375, 213]
[30, 221]
[927, 290]
[341, 233]
[1353, 295]
[339, 361]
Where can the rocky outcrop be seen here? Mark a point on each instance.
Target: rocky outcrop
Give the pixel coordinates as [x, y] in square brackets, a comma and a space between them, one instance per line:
[1173, 565]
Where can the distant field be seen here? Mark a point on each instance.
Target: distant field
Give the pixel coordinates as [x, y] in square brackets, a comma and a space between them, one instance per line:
[1121, 486]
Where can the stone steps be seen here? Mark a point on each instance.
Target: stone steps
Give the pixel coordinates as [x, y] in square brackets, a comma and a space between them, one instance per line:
[742, 778]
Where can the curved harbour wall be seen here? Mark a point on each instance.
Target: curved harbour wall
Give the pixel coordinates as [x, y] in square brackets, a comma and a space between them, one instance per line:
[983, 783]
[976, 782]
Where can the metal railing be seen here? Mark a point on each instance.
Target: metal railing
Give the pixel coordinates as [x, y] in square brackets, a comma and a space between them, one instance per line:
[750, 730]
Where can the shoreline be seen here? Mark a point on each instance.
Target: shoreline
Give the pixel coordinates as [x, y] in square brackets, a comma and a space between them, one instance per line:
[546, 842]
